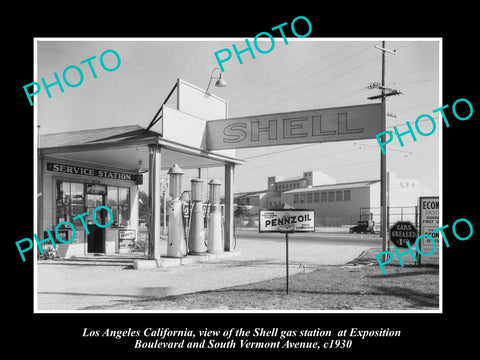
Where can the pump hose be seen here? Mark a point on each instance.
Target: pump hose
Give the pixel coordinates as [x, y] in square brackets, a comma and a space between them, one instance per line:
[205, 233]
[187, 232]
[186, 229]
[234, 237]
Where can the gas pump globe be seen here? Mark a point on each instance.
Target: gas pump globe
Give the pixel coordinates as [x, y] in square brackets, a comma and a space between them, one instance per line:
[215, 234]
[176, 245]
[214, 191]
[175, 184]
[196, 233]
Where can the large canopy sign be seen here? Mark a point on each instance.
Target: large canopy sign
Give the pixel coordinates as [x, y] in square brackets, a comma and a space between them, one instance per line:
[308, 126]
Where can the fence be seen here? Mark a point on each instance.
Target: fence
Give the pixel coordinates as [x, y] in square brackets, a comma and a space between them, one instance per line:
[394, 214]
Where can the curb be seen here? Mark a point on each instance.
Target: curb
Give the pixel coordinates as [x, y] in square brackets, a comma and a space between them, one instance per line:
[367, 257]
[165, 262]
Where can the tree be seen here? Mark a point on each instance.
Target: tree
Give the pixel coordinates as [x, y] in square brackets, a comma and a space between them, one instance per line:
[241, 211]
[143, 205]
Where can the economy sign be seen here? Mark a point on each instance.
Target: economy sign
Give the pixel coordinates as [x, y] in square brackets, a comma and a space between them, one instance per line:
[308, 126]
[281, 220]
[429, 221]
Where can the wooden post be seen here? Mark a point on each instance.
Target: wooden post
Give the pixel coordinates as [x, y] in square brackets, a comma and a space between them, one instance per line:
[155, 193]
[286, 258]
[383, 168]
[229, 218]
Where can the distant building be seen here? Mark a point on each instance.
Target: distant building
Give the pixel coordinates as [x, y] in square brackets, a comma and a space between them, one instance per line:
[253, 198]
[309, 178]
[334, 204]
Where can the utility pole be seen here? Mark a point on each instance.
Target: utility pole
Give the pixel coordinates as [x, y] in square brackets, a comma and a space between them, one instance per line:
[385, 92]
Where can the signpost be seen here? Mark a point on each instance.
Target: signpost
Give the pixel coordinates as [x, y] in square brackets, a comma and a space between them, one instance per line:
[429, 221]
[286, 222]
[403, 232]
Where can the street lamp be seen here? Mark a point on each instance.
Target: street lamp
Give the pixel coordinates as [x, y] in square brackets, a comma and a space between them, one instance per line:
[220, 80]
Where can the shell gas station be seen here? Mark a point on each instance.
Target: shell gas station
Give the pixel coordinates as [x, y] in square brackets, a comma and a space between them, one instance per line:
[81, 170]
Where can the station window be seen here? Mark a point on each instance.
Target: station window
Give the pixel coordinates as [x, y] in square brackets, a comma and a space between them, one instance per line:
[316, 196]
[339, 195]
[118, 200]
[295, 199]
[323, 197]
[302, 198]
[346, 195]
[70, 202]
[309, 197]
[331, 196]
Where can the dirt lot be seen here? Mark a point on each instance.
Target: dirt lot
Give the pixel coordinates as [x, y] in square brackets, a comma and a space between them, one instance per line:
[328, 288]
[325, 272]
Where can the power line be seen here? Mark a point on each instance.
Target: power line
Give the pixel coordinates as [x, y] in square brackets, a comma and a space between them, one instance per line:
[316, 156]
[321, 84]
[278, 152]
[376, 147]
[290, 74]
[314, 74]
[306, 78]
[413, 71]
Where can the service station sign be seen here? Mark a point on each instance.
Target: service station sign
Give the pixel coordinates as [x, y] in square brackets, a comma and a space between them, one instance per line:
[287, 220]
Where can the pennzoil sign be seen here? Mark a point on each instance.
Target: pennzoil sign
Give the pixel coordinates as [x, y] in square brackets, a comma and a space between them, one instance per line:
[280, 220]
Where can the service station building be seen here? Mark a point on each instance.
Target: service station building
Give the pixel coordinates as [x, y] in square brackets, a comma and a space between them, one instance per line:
[81, 170]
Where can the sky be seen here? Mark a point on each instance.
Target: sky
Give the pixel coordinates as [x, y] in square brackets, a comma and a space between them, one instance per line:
[308, 73]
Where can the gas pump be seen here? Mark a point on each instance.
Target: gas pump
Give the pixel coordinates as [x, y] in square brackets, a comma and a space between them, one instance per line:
[215, 233]
[196, 233]
[176, 245]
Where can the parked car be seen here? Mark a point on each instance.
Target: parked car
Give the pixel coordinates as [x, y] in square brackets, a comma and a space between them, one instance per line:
[363, 227]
